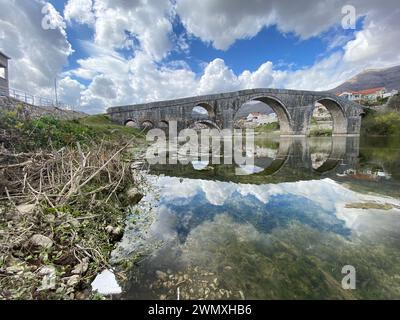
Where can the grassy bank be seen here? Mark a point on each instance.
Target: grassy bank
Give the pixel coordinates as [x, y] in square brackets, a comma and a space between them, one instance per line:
[64, 194]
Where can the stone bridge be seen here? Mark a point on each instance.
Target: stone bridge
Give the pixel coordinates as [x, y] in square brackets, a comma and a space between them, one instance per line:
[294, 110]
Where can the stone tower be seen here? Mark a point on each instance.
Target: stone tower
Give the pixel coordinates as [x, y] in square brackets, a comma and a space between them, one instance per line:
[4, 84]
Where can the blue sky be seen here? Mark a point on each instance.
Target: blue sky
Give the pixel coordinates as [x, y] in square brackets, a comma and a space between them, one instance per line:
[107, 52]
[285, 50]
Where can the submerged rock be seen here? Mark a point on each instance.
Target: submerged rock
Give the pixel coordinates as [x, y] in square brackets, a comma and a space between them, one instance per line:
[371, 205]
[161, 275]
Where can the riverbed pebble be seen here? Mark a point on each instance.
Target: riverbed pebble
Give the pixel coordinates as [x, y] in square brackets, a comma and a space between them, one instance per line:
[161, 275]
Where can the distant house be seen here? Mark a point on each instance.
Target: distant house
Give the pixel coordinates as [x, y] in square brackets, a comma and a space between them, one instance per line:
[372, 94]
[260, 118]
[267, 118]
[368, 94]
[253, 116]
[350, 95]
[4, 85]
[390, 94]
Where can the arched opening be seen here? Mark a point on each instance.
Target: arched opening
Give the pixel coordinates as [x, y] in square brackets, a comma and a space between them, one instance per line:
[265, 115]
[131, 123]
[327, 119]
[327, 153]
[202, 111]
[163, 125]
[320, 151]
[147, 124]
[270, 155]
[204, 125]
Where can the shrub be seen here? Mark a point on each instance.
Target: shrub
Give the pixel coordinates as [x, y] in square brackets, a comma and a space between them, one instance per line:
[383, 124]
[394, 103]
[314, 121]
[320, 132]
[51, 131]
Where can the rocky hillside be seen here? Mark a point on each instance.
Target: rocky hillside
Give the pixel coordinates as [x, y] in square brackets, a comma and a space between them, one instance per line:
[372, 78]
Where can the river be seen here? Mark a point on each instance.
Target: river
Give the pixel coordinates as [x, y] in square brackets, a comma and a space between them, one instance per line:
[282, 229]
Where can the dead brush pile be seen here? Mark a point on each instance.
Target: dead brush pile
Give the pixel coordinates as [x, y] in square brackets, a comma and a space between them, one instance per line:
[61, 213]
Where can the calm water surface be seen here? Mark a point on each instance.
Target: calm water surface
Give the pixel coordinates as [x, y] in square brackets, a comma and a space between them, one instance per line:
[281, 229]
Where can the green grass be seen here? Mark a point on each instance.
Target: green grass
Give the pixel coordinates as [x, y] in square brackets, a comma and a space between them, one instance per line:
[102, 125]
[270, 127]
[48, 131]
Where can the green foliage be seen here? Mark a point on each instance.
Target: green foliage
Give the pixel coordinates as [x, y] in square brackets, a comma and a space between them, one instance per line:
[369, 112]
[51, 131]
[269, 127]
[48, 131]
[394, 103]
[383, 124]
[103, 126]
[314, 121]
[319, 132]
[10, 120]
[379, 102]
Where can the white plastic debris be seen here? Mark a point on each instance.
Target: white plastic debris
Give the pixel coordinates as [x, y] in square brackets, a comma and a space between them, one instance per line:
[106, 283]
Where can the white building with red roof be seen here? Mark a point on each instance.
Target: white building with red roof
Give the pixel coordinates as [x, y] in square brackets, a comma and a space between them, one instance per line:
[371, 94]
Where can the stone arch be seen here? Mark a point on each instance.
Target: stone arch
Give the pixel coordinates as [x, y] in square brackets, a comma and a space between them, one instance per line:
[163, 124]
[207, 107]
[280, 159]
[339, 119]
[209, 123]
[280, 110]
[131, 123]
[147, 124]
[335, 158]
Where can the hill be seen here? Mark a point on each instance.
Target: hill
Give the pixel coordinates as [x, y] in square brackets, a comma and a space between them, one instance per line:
[253, 107]
[372, 78]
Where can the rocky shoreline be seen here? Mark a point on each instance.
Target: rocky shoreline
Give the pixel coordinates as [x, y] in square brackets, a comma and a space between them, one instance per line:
[62, 211]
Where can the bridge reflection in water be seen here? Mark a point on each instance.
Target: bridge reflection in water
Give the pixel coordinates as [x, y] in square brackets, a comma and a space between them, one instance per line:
[278, 160]
[237, 232]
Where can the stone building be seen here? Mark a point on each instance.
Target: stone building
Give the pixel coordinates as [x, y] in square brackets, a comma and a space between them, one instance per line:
[4, 86]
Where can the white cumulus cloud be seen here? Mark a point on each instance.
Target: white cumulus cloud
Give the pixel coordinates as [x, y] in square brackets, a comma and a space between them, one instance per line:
[38, 55]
